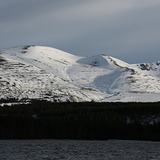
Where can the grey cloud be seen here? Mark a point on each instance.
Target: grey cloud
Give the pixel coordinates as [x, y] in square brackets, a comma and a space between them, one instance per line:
[128, 30]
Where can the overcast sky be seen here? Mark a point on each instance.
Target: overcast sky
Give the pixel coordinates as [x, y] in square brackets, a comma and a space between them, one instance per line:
[125, 29]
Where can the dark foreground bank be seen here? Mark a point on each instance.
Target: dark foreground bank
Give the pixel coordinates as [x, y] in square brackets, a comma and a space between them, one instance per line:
[92, 121]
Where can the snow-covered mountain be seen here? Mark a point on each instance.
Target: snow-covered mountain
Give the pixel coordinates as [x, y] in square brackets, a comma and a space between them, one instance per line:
[36, 72]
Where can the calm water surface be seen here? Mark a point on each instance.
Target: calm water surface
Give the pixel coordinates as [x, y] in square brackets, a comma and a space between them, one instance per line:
[78, 150]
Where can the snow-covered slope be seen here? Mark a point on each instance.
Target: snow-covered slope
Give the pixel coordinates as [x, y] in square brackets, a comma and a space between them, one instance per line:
[47, 73]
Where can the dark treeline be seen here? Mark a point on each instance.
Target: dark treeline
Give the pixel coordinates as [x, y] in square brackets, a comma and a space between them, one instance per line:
[100, 121]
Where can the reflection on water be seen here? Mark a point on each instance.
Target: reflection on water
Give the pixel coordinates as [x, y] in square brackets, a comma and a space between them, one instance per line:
[78, 150]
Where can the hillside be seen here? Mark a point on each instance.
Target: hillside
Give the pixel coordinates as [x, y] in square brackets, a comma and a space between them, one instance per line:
[37, 72]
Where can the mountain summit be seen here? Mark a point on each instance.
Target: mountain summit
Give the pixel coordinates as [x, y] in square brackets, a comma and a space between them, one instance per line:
[37, 72]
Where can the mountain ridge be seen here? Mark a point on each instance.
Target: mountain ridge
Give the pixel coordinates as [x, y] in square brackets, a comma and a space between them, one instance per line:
[39, 72]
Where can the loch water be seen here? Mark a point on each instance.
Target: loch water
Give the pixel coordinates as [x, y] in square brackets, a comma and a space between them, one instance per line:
[79, 150]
